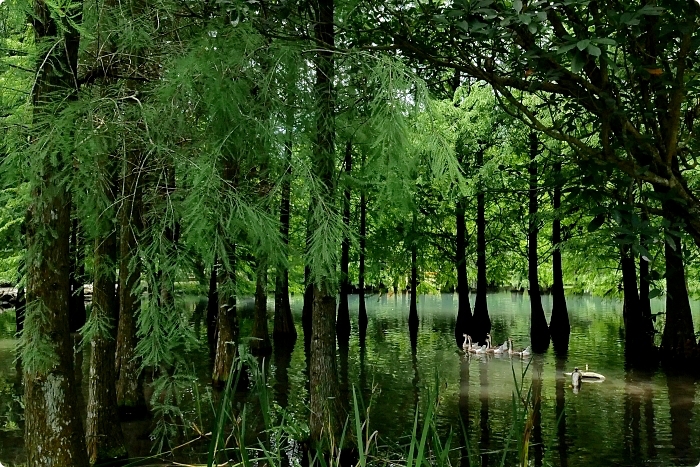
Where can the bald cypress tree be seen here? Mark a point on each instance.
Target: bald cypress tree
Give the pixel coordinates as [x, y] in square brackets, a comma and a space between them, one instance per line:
[53, 430]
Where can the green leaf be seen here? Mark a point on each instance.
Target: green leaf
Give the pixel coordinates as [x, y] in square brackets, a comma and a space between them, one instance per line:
[593, 50]
[654, 293]
[565, 48]
[596, 223]
[582, 44]
[604, 41]
[577, 63]
[525, 19]
[518, 6]
[532, 27]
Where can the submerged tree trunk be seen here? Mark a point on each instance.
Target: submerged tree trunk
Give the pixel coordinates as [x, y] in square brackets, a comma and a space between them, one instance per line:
[481, 324]
[260, 342]
[343, 322]
[539, 332]
[413, 309]
[105, 440]
[284, 329]
[130, 396]
[326, 410]
[53, 431]
[464, 312]
[678, 341]
[362, 319]
[559, 326]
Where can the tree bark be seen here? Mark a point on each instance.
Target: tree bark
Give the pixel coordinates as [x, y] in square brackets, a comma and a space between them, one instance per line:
[343, 320]
[53, 430]
[539, 332]
[130, 398]
[284, 323]
[103, 433]
[637, 343]
[644, 285]
[464, 312]
[481, 324]
[325, 392]
[678, 341]
[559, 326]
[363, 244]
[260, 342]
[226, 320]
[326, 412]
[77, 315]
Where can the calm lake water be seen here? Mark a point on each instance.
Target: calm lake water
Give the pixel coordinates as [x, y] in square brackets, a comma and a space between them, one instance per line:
[633, 418]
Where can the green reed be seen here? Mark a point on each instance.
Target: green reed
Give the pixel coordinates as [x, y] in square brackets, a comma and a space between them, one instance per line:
[228, 441]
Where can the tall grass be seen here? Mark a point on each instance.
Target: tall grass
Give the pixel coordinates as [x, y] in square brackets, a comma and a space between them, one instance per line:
[283, 440]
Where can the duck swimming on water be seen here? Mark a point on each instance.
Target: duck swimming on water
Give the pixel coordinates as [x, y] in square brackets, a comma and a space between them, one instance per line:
[588, 376]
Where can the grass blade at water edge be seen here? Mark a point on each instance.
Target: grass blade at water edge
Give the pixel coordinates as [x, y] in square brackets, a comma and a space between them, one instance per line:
[358, 429]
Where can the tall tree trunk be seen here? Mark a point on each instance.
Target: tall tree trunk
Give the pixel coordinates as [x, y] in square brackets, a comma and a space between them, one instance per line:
[464, 312]
[481, 324]
[76, 307]
[284, 323]
[130, 396]
[226, 320]
[326, 410]
[678, 340]
[644, 285]
[637, 339]
[105, 440]
[77, 315]
[559, 326]
[413, 309]
[363, 244]
[539, 332]
[260, 342]
[343, 321]
[53, 431]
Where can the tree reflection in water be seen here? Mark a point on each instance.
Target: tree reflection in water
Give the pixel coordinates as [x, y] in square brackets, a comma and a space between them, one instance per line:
[681, 395]
[484, 412]
[561, 383]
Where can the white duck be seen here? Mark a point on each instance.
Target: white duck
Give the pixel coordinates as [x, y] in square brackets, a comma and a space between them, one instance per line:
[524, 353]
